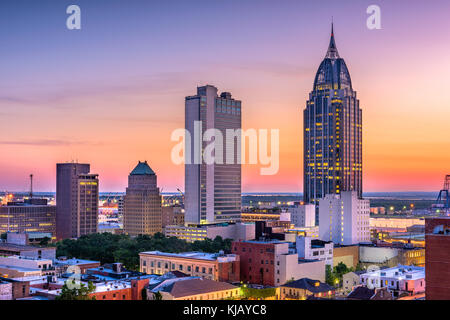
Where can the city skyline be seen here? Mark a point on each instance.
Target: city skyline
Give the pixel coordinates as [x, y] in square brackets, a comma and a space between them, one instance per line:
[127, 92]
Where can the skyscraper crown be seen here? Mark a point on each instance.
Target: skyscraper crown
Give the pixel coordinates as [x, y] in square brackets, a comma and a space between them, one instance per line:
[142, 168]
[333, 72]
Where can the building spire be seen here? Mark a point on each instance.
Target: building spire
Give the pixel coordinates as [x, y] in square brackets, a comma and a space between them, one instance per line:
[332, 52]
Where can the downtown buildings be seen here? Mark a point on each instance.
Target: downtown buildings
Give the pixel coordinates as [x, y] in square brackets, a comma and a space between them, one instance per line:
[344, 218]
[142, 202]
[77, 194]
[212, 190]
[332, 132]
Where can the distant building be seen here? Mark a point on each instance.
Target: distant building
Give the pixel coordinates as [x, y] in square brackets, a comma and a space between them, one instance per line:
[191, 233]
[30, 215]
[303, 288]
[191, 288]
[437, 260]
[272, 263]
[62, 264]
[308, 248]
[344, 218]
[219, 267]
[142, 202]
[16, 245]
[399, 280]
[172, 215]
[212, 191]
[332, 132]
[77, 193]
[303, 215]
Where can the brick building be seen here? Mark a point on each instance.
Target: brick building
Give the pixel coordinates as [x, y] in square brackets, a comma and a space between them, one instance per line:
[437, 258]
[272, 263]
[218, 267]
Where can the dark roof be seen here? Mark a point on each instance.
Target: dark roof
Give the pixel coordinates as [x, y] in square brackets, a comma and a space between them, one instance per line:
[196, 286]
[142, 168]
[179, 274]
[310, 285]
[361, 293]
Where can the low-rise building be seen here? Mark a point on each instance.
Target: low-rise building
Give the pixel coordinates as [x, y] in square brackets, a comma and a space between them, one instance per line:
[219, 267]
[348, 255]
[304, 288]
[308, 248]
[62, 264]
[398, 280]
[272, 263]
[45, 265]
[364, 293]
[191, 233]
[351, 280]
[193, 288]
[389, 254]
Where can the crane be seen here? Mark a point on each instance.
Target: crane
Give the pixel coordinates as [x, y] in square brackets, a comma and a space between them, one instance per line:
[443, 200]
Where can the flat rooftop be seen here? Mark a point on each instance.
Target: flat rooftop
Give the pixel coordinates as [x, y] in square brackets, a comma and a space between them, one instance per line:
[399, 273]
[186, 255]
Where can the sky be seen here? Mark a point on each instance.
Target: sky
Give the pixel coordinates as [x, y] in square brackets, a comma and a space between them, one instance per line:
[112, 93]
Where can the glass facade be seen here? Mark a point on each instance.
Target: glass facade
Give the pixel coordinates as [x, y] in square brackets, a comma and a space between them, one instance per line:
[332, 132]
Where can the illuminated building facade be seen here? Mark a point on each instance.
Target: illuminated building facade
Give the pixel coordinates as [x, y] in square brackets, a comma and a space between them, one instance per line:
[344, 218]
[31, 215]
[212, 191]
[76, 200]
[142, 202]
[332, 132]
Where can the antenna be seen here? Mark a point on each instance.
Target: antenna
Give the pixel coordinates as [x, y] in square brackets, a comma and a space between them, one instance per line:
[31, 186]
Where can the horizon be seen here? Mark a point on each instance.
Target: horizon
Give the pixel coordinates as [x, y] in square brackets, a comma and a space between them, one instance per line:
[127, 91]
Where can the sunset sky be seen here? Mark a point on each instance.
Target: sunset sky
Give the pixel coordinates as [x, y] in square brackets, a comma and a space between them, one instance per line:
[111, 93]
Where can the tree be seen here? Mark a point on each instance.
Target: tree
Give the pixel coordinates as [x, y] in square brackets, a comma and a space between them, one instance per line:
[45, 241]
[329, 277]
[77, 292]
[4, 236]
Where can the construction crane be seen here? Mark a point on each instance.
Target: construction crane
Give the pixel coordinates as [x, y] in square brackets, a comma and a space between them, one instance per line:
[443, 201]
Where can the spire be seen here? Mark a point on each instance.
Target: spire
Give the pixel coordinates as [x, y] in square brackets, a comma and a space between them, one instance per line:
[332, 52]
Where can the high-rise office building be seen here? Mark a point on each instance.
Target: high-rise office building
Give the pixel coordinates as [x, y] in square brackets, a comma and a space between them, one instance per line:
[344, 218]
[77, 194]
[332, 132]
[142, 202]
[212, 191]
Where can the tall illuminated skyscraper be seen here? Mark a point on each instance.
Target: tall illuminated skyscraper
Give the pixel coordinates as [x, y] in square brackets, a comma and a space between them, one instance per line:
[212, 191]
[332, 132]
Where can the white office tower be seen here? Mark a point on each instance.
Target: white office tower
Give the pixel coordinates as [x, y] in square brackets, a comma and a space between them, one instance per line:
[303, 215]
[212, 190]
[344, 218]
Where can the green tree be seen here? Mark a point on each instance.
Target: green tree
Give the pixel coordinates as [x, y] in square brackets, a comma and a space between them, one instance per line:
[80, 292]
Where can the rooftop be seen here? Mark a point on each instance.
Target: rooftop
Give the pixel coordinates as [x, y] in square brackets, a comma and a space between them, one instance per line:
[142, 168]
[314, 286]
[400, 273]
[188, 255]
[181, 287]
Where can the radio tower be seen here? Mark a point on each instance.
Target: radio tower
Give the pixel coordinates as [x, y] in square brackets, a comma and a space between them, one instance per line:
[31, 186]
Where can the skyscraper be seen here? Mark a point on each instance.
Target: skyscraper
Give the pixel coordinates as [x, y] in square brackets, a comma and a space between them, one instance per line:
[212, 191]
[332, 131]
[142, 202]
[76, 200]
